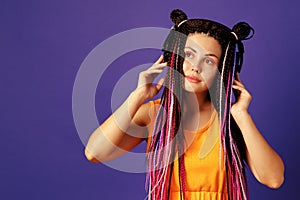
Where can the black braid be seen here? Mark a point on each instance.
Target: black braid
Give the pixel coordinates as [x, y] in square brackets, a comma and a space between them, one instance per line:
[175, 43]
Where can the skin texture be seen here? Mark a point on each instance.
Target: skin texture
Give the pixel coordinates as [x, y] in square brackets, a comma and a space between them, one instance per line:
[127, 126]
[202, 54]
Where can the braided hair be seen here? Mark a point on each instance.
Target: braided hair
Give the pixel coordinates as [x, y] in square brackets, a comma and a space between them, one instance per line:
[167, 137]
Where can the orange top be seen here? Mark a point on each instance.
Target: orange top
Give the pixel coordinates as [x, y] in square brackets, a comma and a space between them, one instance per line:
[205, 176]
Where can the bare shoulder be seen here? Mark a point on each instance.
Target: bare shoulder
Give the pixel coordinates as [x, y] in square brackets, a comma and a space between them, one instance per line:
[145, 113]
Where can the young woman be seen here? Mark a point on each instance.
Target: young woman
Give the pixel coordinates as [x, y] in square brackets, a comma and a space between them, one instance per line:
[198, 141]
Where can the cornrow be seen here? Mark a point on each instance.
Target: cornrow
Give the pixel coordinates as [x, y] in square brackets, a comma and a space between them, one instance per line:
[167, 138]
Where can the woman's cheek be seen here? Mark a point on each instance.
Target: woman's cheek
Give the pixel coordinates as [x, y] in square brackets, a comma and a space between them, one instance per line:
[209, 76]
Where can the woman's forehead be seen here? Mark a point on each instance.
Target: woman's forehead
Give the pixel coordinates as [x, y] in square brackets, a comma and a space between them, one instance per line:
[202, 43]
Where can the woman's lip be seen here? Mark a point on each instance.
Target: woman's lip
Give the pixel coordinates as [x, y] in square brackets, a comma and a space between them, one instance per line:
[192, 79]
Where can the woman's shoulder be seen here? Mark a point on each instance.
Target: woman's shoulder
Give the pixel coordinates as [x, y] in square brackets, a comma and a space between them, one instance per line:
[146, 112]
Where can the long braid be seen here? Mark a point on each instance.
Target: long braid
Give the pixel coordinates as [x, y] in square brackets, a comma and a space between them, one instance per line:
[168, 139]
[235, 168]
[231, 137]
[162, 149]
[181, 167]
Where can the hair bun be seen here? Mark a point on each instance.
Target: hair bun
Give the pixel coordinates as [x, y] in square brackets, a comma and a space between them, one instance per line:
[243, 30]
[178, 16]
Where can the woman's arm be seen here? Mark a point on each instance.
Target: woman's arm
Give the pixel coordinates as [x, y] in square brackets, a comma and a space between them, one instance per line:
[264, 162]
[125, 128]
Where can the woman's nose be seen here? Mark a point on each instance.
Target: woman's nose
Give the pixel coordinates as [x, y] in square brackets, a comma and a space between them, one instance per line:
[192, 66]
[194, 69]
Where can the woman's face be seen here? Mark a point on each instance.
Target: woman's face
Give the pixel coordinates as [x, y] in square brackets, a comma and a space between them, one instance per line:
[202, 56]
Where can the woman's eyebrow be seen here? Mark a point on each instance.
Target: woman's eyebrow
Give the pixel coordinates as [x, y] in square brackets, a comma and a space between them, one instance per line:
[211, 54]
[191, 49]
[208, 54]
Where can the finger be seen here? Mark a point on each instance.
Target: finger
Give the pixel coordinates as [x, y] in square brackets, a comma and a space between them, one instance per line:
[157, 66]
[161, 65]
[160, 84]
[237, 87]
[152, 74]
[236, 82]
[236, 91]
[154, 71]
[237, 77]
[240, 89]
[160, 59]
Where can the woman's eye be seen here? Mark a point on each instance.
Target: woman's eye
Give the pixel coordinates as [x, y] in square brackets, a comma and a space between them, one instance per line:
[209, 61]
[188, 55]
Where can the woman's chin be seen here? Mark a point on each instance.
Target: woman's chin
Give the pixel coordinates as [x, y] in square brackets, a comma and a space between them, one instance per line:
[194, 89]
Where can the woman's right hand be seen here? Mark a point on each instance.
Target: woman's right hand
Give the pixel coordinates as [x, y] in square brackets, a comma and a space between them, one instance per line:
[146, 78]
[126, 127]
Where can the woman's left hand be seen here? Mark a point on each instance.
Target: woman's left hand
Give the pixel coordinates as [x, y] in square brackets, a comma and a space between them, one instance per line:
[242, 96]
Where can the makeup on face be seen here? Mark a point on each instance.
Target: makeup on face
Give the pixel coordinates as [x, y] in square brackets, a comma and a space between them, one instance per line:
[202, 54]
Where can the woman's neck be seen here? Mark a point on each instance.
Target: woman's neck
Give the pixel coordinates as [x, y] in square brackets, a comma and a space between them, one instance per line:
[195, 102]
[196, 110]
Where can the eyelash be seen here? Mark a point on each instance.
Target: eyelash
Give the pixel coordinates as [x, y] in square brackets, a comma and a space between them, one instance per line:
[206, 60]
[209, 60]
[187, 53]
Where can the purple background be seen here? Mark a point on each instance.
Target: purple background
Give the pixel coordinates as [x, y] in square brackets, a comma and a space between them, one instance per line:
[42, 45]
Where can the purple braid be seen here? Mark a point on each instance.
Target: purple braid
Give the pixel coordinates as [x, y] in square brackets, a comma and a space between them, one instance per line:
[167, 139]
[167, 131]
